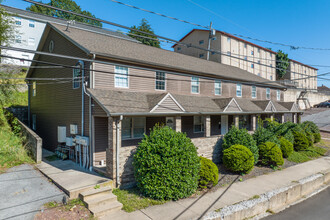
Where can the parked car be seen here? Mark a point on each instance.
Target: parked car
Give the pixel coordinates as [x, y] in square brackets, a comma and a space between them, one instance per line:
[325, 104]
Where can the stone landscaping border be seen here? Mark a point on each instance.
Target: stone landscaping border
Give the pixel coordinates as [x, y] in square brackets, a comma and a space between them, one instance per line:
[272, 201]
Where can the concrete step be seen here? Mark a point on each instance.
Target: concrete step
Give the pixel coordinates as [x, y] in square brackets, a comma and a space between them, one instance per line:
[101, 210]
[94, 193]
[100, 200]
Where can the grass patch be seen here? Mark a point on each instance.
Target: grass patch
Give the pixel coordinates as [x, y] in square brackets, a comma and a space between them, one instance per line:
[254, 197]
[132, 200]
[52, 157]
[67, 207]
[306, 155]
[298, 157]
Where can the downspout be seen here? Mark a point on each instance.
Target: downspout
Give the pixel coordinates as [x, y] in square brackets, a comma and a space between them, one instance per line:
[81, 63]
[91, 137]
[29, 104]
[117, 150]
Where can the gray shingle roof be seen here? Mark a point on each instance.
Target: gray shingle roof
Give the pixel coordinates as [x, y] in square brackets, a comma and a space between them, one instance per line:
[127, 102]
[142, 54]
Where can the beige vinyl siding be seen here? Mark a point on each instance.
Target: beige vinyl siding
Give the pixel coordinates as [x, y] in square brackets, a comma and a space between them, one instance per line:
[168, 105]
[58, 104]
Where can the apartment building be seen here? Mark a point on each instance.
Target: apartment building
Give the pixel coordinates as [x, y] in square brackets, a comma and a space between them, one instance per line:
[231, 50]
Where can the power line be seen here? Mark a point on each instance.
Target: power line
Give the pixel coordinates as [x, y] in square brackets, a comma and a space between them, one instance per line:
[293, 47]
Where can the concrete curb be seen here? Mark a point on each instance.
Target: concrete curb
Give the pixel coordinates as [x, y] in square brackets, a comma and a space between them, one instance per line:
[272, 201]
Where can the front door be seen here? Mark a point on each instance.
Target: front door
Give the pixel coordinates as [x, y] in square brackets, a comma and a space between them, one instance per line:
[224, 124]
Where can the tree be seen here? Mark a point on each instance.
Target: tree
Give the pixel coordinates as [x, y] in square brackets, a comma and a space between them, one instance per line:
[282, 64]
[68, 5]
[6, 27]
[145, 27]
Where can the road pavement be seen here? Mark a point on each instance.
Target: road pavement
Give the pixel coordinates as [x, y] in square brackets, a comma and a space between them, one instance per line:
[316, 207]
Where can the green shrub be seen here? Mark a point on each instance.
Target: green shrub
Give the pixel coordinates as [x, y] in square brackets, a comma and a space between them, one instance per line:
[300, 141]
[310, 126]
[284, 130]
[166, 165]
[310, 138]
[286, 147]
[270, 154]
[238, 158]
[241, 137]
[209, 173]
[263, 135]
[317, 137]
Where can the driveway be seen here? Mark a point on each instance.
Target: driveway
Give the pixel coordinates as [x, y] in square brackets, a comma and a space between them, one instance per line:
[321, 119]
[23, 190]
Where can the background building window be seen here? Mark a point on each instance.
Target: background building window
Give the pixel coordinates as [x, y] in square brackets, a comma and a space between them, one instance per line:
[194, 85]
[198, 124]
[278, 95]
[245, 57]
[34, 122]
[201, 55]
[228, 39]
[239, 90]
[254, 92]
[121, 77]
[201, 42]
[160, 80]
[268, 93]
[252, 52]
[252, 65]
[271, 77]
[18, 39]
[133, 127]
[31, 24]
[179, 48]
[228, 53]
[31, 41]
[18, 21]
[245, 45]
[217, 87]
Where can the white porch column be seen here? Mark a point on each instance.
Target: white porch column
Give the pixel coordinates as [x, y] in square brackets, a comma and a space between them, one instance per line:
[236, 120]
[178, 124]
[282, 118]
[253, 122]
[294, 117]
[207, 126]
[272, 117]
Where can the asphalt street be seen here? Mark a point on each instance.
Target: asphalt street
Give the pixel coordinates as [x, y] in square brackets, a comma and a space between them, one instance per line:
[23, 190]
[316, 207]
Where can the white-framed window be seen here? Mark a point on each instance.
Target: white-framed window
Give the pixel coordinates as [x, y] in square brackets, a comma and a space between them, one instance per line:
[239, 90]
[198, 124]
[31, 41]
[160, 81]
[34, 122]
[228, 39]
[217, 87]
[201, 42]
[133, 128]
[121, 77]
[201, 55]
[254, 92]
[278, 95]
[32, 23]
[267, 93]
[18, 39]
[76, 78]
[194, 84]
[18, 21]
[252, 52]
[252, 65]
[34, 89]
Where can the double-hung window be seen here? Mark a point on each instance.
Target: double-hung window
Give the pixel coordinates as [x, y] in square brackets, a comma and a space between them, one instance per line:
[160, 80]
[254, 92]
[198, 124]
[121, 77]
[267, 93]
[239, 90]
[217, 87]
[278, 95]
[133, 127]
[194, 85]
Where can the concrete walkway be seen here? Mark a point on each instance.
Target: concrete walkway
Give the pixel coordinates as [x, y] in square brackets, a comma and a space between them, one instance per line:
[70, 177]
[196, 208]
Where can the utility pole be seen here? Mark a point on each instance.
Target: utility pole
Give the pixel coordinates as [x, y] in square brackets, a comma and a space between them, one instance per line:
[209, 42]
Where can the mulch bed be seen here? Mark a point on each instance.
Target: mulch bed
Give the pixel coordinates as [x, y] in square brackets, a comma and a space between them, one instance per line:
[59, 213]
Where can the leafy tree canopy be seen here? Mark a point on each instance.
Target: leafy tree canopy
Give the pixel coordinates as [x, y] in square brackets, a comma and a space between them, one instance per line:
[145, 27]
[68, 5]
[282, 64]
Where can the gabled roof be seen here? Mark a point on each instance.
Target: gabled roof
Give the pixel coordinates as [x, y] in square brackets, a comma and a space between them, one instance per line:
[126, 51]
[136, 103]
[265, 105]
[291, 106]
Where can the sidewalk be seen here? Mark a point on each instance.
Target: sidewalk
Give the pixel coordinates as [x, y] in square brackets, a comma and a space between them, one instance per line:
[196, 208]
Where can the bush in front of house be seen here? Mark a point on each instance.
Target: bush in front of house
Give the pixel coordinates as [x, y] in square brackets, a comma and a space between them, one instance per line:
[263, 135]
[310, 138]
[286, 147]
[166, 165]
[317, 137]
[238, 158]
[284, 130]
[311, 127]
[241, 137]
[300, 141]
[209, 174]
[270, 154]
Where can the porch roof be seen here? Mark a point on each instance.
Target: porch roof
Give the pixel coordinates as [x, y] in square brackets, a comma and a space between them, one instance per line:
[117, 103]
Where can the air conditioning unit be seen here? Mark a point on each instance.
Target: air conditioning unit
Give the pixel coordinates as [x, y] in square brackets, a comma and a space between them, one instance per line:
[73, 129]
[61, 134]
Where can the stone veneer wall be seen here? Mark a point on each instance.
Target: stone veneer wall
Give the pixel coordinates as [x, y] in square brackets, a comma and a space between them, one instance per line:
[208, 147]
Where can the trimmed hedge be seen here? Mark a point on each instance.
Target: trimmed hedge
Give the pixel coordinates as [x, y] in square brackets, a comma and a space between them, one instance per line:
[209, 174]
[242, 137]
[238, 158]
[300, 141]
[270, 154]
[286, 147]
[310, 126]
[263, 135]
[166, 165]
